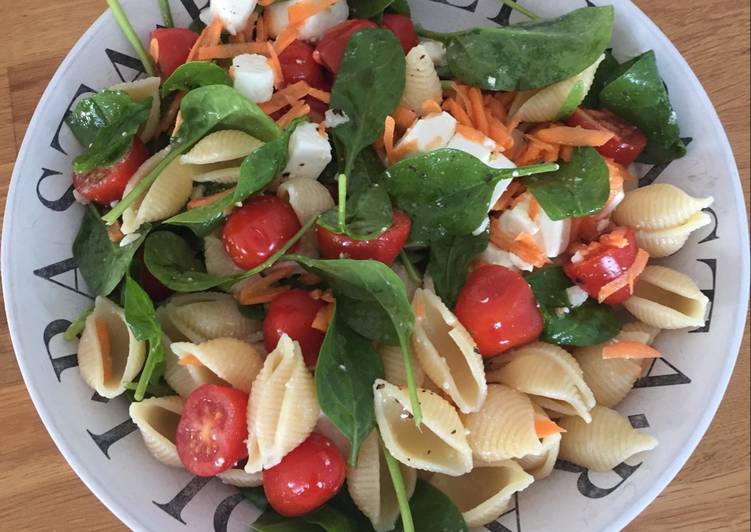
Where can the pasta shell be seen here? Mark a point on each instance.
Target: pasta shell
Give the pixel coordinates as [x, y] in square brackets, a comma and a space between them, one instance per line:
[233, 361]
[550, 375]
[503, 428]
[239, 478]
[438, 445]
[157, 419]
[130, 223]
[604, 443]
[664, 242]
[422, 81]
[393, 364]
[658, 206]
[283, 407]
[208, 315]
[610, 380]
[483, 494]
[667, 299]
[637, 331]
[447, 352]
[140, 90]
[541, 465]
[410, 285]
[221, 146]
[370, 485]
[307, 196]
[227, 173]
[109, 356]
[185, 379]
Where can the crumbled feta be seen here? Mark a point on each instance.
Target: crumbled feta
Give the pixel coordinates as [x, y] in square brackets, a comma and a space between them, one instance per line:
[80, 198]
[233, 13]
[436, 51]
[430, 133]
[576, 296]
[309, 152]
[254, 77]
[314, 27]
[577, 257]
[555, 234]
[335, 117]
[482, 150]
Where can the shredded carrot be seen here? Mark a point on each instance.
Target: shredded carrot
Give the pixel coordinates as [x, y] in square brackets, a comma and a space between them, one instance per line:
[471, 134]
[262, 31]
[323, 318]
[189, 360]
[520, 198]
[276, 66]
[532, 153]
[500, 134]
[456, 110]
[309, 279]
[260, 290]
[548, 152]
[478, 110]
[318, 94]
[404, 117]
[462, 96]
[495, 107]
[299, 109]
[299, 13]
[616, 238]
[526, 248]
[388, 137]
[114, 232]
[506, 98]
[282, 97]
[629, 350]
[265, 3]
[228, 51]
[507, 198]
[267, 296]
[322, 295]
[103, 335]
[322, 128]
[627, 279]
[617, 169]
[567, 153]
[405, 149]
[430, 107]
[200, 202]
[574, 136]
[534, 208]
[584, 228]
[171, 113]
[285, 38]
[545, 427]
[512, 123]
[211, 35]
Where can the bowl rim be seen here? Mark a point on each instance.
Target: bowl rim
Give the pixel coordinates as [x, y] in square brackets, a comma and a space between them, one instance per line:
[664, 478]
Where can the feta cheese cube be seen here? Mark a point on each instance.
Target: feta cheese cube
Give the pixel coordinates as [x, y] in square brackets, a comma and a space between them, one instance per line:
[233, 13]
[436, 51]
[576, 296]
[254, 77]
[430, 133]
[482, 150]
[314, 27]
[555, 234]
[309, 152]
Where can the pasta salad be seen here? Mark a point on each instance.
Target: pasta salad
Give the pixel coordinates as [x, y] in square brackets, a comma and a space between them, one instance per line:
[376, 276]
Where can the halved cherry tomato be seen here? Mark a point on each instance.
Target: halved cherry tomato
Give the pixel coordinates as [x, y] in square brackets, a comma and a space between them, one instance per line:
[403, 27]
[212, 430]
[292, 313]
[298, 65]
[625, 146]
[105, 185]
[306, 478]
[334, 42]
[151, 284]
[498, 309]
[385, 248]
[170, 48]
[257, 230]
[606, 264]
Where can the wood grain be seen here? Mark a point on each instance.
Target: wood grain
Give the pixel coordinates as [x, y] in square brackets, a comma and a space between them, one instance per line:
[710, 493]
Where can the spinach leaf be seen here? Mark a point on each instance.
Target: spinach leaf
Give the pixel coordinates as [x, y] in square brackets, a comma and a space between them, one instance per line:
[195, 74]
[578, 188]
[142, 322]
[372, 301]
[450, 258]
[256, 496]
[400, 7]
[434, 511]
[271, 521]
[332, 520]
[346, 369]
[587, 324]
[102, 263]
[606, 72]
[447, 192]
[638, 95]
[368, 214]
[529, 55]
[105, 125]
[75, 329]
[204, 110]
[367, 8]
[253, 312]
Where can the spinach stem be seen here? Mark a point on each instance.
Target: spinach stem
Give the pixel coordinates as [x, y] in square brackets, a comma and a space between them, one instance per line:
[342, 180]
[411, 384]
[410, 268]
[521, 9]
[156, 355]
[122, 20]
[401, 493]
[435, 35]
[166, 14]
[524, 171]
[76, 328]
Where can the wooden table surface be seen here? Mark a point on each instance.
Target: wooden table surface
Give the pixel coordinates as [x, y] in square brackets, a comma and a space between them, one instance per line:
[710, 493]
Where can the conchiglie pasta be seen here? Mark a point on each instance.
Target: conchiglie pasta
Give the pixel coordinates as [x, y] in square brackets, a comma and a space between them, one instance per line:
[609, 379]
[410, 284]
[227, 173]
[283, 407]
[221, 146]
[201, 317]
[439, 445]
[540, 465]
[667, 299]
[307, 196]
[503, 428]
[393, 364]
[422, 81]
[109, 356]
[664, 242]
[184, 379]
[483, 494]
[233, 361]
[550, 375]
[370, 485]
[157, 420]
[239, 478]
[637, 331]
[140, 90]
[447, 352]
[604, 443]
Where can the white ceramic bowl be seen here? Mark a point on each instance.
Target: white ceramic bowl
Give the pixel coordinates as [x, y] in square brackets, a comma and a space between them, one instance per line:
[43, 292]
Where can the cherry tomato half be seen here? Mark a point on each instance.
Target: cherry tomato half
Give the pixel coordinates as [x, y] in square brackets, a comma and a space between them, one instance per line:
[170, 48]
[625, 146]
[257, 230]
[105, 185]
[385, 248]
[212, 430]
[403, 27]
[499, 310]
[298, 65]
[334, 42]
[604, 266]
[306, 478]
[292, 313]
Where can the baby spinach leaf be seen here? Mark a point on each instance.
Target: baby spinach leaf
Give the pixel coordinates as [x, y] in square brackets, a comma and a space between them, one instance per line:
[346, 369]
[195, 74]
[332, 520]
[204, 110]
[450, 258]
[372, 301]
[271, 521]
[434, 511]
[638, 95]
[400, 7]
[105, 125]
[75, 329]
[606, 72]
[253, 312]
[447, 192]
[102, 263]
[578, 188]
[368, 8]
[529, 55]
[256, 497]
[587, 324]
[368, 214]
